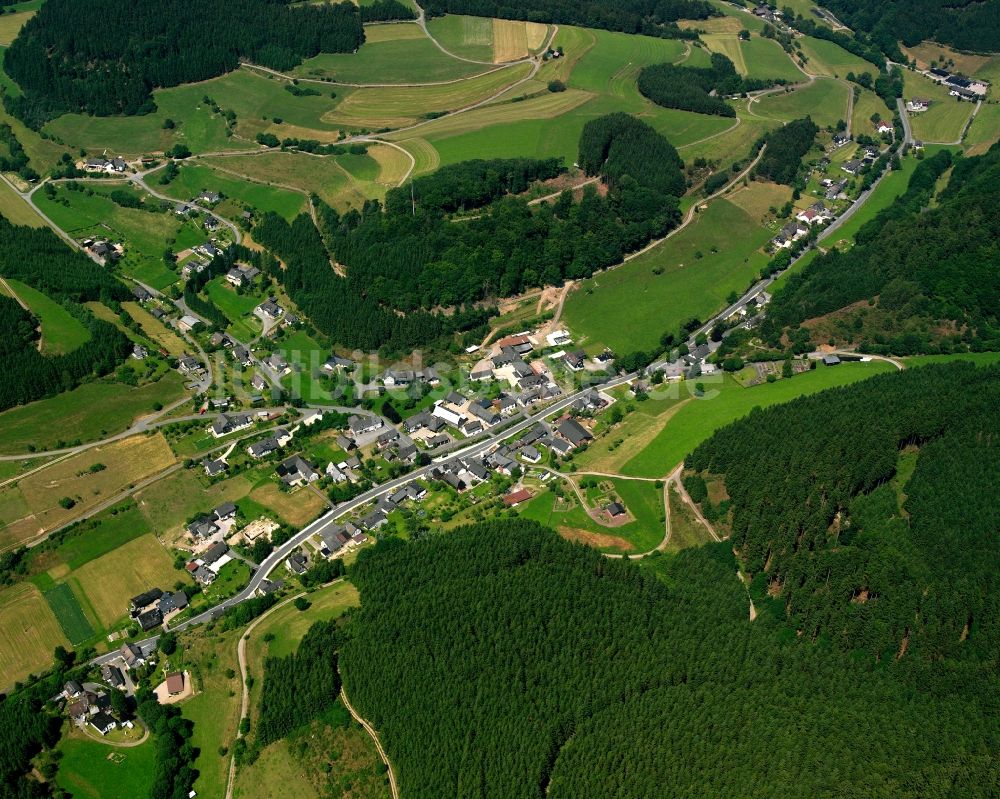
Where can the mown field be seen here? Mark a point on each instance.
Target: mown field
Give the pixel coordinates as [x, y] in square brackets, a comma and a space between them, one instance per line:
[28, 633]
[631, 306]
[984, 130]
[61, 331]
[825, 100]
[90, 769]
[832, 60]
[946, 117]
[15, 209]
[725, 401]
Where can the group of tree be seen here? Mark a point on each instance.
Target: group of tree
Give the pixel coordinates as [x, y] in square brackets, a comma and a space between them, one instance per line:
[631, 16]
[173, 772]
[471, 184]
[499, 660]
[15, 159]
[26, 727]
[404, 263]
[963, 25]
[786, 146]
[62, 61]
[698, 89]
[926, 271]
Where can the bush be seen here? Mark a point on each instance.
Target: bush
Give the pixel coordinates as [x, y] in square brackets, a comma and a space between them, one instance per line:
[557, 86]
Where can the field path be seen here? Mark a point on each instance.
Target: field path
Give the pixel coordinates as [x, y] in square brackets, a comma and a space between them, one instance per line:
[496, 68]
[393, 788]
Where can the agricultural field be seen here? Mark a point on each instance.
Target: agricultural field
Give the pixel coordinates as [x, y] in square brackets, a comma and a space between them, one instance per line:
[764, 58]
[11, 24]
[297, 509]
[399, 53]
[157, 332]
[725, 401]
[91, 769]
[91, 411]
[68, 610]
[825, 100]
[195, 178]
[15, 209]
[945, 120]
[689, 275]
[29, 632]
[61, 331]
[832, 60]
[984, 130]
[61, 492]
[487, 41]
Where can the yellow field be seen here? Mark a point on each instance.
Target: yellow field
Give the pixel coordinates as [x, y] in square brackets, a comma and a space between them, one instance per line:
[11, 24]
[296, 509]
[396, 107]
[427, 157]
[28, 633]
[13, 207]
[393, 165]
[513, 40]
[125, 462]
[155, 329]
[537, 35]
[111, 579]
[716, 25]
[966, 63]
[758, 197]
[393, 33]
[729, 45]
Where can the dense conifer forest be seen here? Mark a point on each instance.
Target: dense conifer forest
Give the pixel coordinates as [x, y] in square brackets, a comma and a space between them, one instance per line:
[501, 661]
[786, 146]
[649, 17]
[929, 273]
[417, 260]
[105, 57]
[689, 88]
[964, 24]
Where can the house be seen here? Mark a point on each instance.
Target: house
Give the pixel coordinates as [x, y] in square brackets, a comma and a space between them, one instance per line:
[242, 355]
[815, 214]
[295, 471]
[269, 308]
[277, 363]
[835, 190]
[840, 139]
[387, 437]
[335, 362]
[103, 722]
[184, 209]
[263, 448]
[175, 684]
[345, 443]
[871, 153]
[72, 689]
[203, 528]
[472, 427]
[188, 364]
[297, 563]
[210, 197]
[174, 601]
[917, 105]
[215, 553]
[614, 509]
[483, 370]
[150, 619]
[398, 377]
[112, 675]
[259, 384]
[139, 352]
[359, 425]
[227, 423]
[520, 344]
[208, 249]
[334, 473]
[558, 338]
[852, 167]
[437, 441]
[211, 224]
[141, 294]
[187, 323]
[883, 127]
[227, 510]
[830, 360]
[516, 498]
[790, 233]
[143, 600]
[574, 432]
[530, 454]
[447, 415]
[575, 360]
[242, 275]
[416, 422]
[132, 655]
[200, 573]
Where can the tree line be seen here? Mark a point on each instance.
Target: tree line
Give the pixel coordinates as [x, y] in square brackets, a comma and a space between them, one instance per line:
[106, 57]
[499, 660]
[928, 272]
[691, 88]
[631, 16]
[786, 146]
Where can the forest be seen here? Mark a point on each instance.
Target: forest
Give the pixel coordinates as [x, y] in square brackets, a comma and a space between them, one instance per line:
[471, 184]
[690, 88]
[25, 729]
[414, 260]
[966, 25]
[928, 273]
[105, 57]
[786, 146]
[501, 661]
[648, 17]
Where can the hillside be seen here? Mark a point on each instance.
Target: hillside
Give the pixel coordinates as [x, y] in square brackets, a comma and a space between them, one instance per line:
[922, 277]
[599, 678]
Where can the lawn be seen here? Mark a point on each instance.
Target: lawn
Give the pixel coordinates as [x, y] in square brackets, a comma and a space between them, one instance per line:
[130, 569]
[631, 306]
[827, 58]
[825, 100]
[67, 610]
[945, 120]
[29, 632]
[61, 331]
[90, 411]
[195, 178]
[231, 579]
[724, 402]
[90, 769]
[391, 54]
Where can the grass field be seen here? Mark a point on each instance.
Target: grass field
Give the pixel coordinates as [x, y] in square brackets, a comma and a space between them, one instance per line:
[15, 209]
[156, 330]
[825, 100]
[66, 608]
[631, 306]
[724, 402]
[867, 104]
[946, 117]
[391, 54]
[827, 58]
[93, 410]
[685, 529]
[984, 131]
[11, 24]
[61, 331]
[467, 37]
[195, 178]
[765, 59]
[29, 632]
[136, 566]
[170, 502]
[90, 769]
[296, 509]
[983, 66]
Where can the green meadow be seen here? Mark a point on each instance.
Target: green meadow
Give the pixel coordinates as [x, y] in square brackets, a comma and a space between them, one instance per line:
[61, 331]
[90, 769]
[945, 120]
[827, 58]
[825, 100]
[195, 178]
[464, 36]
